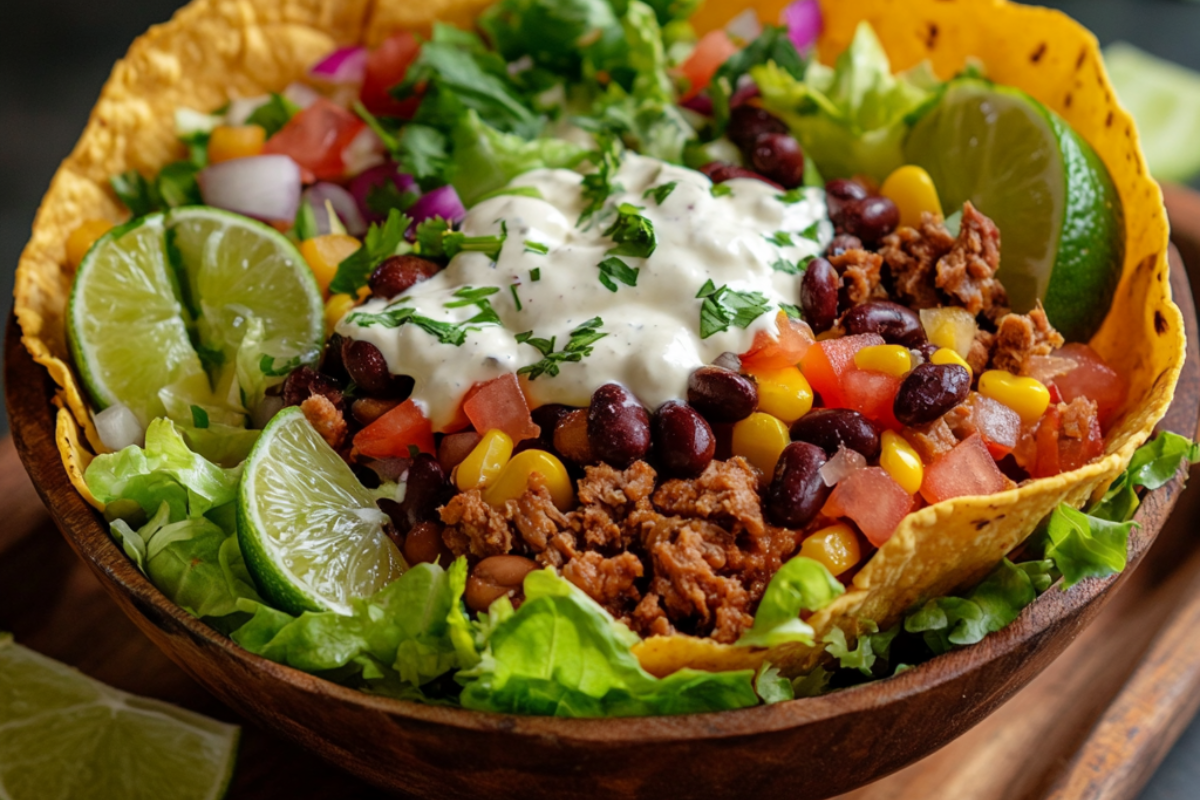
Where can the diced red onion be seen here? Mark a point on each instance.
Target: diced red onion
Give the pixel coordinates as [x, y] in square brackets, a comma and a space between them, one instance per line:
[343, 205]
[842, 464]
[366, 150]
[362, 184]
[441, 202]
[263, 187]
[301, 94]
[803, 21]
[701, 104]
[744, 26]
[118, 427]
[344, 65]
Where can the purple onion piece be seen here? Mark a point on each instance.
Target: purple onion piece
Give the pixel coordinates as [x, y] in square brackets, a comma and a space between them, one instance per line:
[344, 65]
[441, 202]
[701, 104]
[263, 187]
[803, 21]
[343, 205]
[378, 177]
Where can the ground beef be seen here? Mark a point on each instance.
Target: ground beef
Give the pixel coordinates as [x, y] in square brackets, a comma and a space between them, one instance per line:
[725, 493]
[1077, 417]
[1019, 336]
[911, 255]
[981, 351]
[323, 415]
[649, 619]
[932, 439]
[474, 527]
[608, 581]
[967, 273]
[860, 272]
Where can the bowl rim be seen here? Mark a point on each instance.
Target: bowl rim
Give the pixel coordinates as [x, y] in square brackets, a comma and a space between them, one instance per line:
[29, 393]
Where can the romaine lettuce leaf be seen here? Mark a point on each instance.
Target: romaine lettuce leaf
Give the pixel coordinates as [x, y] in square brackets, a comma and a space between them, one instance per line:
[486, 159]
[800, 584]
[562, 654]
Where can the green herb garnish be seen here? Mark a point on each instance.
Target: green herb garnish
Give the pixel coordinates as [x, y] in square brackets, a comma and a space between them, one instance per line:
[382, 241]
[633, 233]
[613, 268]
[724, 307]
[660, 193]
[578, 346]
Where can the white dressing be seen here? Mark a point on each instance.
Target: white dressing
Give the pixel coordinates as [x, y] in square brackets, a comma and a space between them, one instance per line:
[653, 340]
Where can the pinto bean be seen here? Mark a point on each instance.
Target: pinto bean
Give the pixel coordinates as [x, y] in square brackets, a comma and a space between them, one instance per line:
[495, 577]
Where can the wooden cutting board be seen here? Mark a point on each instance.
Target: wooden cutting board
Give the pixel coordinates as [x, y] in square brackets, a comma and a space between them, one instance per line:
[1093, 725]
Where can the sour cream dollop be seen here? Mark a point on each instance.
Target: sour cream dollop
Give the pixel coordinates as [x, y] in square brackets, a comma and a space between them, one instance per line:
[547, 272]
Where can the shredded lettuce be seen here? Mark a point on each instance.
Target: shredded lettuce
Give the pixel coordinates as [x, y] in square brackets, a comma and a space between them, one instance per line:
[852, 118]
[562, 654]
[800, 584]
[486, 159]
[872, 644]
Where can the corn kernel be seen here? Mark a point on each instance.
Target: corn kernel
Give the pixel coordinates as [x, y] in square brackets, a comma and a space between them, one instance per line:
[1026, 396]
[227, 142]
[82, 238]
[783, 393]
[530, 466]
[760, 438]
[484, 462]
[900, 460]
[892, 359]
[836, 547]
[944, 356]
[337, 307]
[324, 253]
[913, 192]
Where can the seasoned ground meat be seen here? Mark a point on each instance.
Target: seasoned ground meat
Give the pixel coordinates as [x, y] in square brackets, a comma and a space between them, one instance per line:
[474, 527]
[1077, 417]
[649, 619]
[326, 418]
[608, 581]
[967, 273]
[981, 351]
[1019, 336]
[911, 255]
[725, 493]
[860, 272]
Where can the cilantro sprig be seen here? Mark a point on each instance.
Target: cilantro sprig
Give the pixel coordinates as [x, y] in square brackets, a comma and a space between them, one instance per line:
[454, 333]
[382, 241]
[437, 239]
[598, 186]
[614, 269]
[660, 193]
[577, 348]
[632, 233]
[724, 307]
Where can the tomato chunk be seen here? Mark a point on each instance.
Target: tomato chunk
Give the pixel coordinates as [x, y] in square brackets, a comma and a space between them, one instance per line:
[390, 435]
[872, 394]
[500, 405]
[386, 67]
[316, 137]
[1093, 379]
[1046, 440]
[825, 364]
[713, 49]
[784, 350]
[1074, 452]
[997, 424]
[968, 469]
[873, 500]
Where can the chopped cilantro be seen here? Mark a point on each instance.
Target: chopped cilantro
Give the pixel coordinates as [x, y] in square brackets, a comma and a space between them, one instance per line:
[380, 242]
[633, 233]
[454, 333]
[781, 238]
[578, 346]
[724, 307]
[660, 193]
[791, 268]
[438, 240]
[598, 185]
[720, 190]
[791, 196]
[614, 267]
[266, 365]
[516, 297]
[470, 296]
[272, 115]
[535, 274]
[792, 311]
[810, 232]
[536, 247]
[382, 198]
[199, 417]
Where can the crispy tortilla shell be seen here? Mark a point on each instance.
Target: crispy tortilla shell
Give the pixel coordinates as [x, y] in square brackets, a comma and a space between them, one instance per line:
[215, 50]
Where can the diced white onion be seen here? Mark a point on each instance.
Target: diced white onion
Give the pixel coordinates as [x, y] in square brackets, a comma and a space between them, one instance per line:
[365, 150]
[744, 26]
[118, 427]
[301, 94]
[264, 187]
[188, 122]
[240, 109]
[841, 465]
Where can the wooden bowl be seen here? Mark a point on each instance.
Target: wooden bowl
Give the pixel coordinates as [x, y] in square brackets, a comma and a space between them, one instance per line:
[803, 749]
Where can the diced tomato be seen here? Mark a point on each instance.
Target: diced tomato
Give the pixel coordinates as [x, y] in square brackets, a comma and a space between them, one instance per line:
[316, 137]
[826, 362]
[1094, 379]
[500, 405]
[873, 500]
[386, 67]
[1074, 453]
[872, 394]
[786, 350]
[1047, 444]
[713, 50]
[390, 435]
[968, 469]
[997, 424]
[461, 421]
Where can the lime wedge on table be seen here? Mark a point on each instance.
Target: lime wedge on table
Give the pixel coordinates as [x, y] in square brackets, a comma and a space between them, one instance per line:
[64, 735]
[149, 293]
[310, 532]
[1061, 226]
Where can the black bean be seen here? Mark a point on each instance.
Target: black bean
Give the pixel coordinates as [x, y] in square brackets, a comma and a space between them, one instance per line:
[819, 295]
[367, 367]
[870, 219]
[897, 324]
[303, 382]
[397, 274]
[929, 391]
[747, 123]
[838, 193]
[721, 395]
[424, 492]
[719, 172]
[779, 157]
[683, 441]
[831, 428]
[618, 428]
[927, 350]
[331, 359]
[797, 490]
[841, 243]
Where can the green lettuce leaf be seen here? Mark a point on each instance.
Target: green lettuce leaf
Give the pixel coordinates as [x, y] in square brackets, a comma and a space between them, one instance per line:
[872, 645]
[486, 159]
[558, 35]
[772, 47]
[562, 654]
[800, 584]
[849, 119]
[771, 686]
[1084, 546]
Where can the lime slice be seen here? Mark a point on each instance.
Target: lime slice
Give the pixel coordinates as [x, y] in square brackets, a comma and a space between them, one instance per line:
[150, 294]
[1060, 219]
[63, 734]
[311, 534]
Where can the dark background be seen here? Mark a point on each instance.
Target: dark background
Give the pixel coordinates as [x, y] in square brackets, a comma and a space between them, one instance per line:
[56, 54]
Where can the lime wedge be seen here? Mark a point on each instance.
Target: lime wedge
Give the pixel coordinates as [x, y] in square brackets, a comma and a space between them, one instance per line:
[1061, 225]
[150, 297]
[311, 533]
[65, 735]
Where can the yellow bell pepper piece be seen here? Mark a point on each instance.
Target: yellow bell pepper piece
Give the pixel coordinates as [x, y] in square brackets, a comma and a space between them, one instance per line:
[227, 142]
[484, 462]
[324, 253]
[1026, 396]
